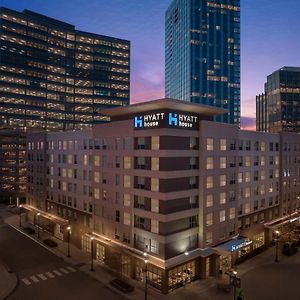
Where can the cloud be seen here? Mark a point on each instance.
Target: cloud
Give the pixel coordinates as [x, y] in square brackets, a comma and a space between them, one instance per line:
[248, 123]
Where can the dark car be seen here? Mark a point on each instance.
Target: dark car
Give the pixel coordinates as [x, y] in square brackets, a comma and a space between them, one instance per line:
[289, 249]
[122, 285]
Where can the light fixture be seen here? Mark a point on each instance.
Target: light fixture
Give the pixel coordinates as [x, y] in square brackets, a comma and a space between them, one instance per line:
[146, 261]
[186, 253]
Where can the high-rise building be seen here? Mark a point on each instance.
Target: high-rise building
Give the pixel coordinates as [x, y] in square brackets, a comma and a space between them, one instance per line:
[56, 77]
[278, 108]
[192, 194]
[202, 54]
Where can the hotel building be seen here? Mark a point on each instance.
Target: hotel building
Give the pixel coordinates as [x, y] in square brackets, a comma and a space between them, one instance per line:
[163, 179]
[56, 77]
[202, 54]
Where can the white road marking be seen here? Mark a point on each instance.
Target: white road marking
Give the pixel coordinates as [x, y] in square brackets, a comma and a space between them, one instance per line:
[71, 269]
[64, 271]
[42, 276]
[34, 279]
[50, 275]
[57, 273]
[26, 281]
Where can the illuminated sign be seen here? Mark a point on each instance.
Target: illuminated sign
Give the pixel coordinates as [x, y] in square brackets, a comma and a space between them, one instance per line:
[237, 247]
[166, 119]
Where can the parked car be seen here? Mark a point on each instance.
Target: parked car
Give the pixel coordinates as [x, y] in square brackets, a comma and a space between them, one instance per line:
[122, 285]
[289, 249]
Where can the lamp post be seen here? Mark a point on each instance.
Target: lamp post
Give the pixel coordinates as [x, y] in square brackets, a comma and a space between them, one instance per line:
[20, 215]
[38, 225]
[146, 278]
[234, 280]
[92, 254]
[277, 233]
[69, 235]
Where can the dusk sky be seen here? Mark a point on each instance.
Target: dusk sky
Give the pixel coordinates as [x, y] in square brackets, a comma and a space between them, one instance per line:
[269, 38]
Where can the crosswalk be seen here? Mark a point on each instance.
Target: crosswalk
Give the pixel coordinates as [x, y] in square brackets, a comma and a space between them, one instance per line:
[47, 275]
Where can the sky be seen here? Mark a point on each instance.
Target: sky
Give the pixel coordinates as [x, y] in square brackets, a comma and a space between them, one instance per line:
[269, 39]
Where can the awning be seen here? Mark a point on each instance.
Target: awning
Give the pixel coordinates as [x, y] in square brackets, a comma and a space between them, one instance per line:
[56, 219]
[233, 245]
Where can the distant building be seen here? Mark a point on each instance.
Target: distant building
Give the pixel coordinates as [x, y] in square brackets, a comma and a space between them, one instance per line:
[56, 77]
[192, 194]
[278, 108]
[202, 54]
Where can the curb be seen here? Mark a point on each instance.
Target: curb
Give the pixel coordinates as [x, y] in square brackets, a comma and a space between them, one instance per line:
[14, 283]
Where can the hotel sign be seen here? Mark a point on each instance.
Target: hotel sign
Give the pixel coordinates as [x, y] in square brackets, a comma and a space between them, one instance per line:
[166, 119]
[242, 245]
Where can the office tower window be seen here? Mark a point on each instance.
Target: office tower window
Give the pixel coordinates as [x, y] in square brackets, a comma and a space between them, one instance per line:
[209, 182]
[223, 144]
[232, 213]
[209, 144]
[222, 216]
[222, 198]
[209, 201]
[209, 163]
[222, 162]
[209, 219]
[222, 180]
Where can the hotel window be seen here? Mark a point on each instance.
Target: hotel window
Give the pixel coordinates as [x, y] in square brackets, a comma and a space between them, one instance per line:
[247, 192]
[70, 173]
[262, 161]
[209, 163]
[262, 146]
[154, 163]
[155, 143]
[223, 143]
[127, 219]
[127, 162]
[97, 177]
[262, 189]
[85, 159]
[97, 160]
[222, 216]
[154, 205]
[209, 182]
[247, 208]
[64, 145]
[222, 180]
[97, 193]
[127, 181]
[262, 175]
[247, 161]
[64, 172]
[232, 213]
[247, 177]
[64, 186]
[276, 173]
[126, 200]
[117, 162]
[127, 143]
[209, 201]
[276, 160]
[154, 226]
[70, 158]
[222, 162]
[209, 237]
[154, 184]
[209, 144]
[209, 219]
[222, 198]
[240, 177]
[193, 143]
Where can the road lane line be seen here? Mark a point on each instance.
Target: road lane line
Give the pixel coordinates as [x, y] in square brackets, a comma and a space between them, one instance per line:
[71, 269]
[26, 281]
[34, 279]
[42, 276]
[64, 270]
[57, 273]
[50, 275]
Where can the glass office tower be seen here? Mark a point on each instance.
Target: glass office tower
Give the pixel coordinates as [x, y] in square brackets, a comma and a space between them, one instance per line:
[279, 107]
[202, 54]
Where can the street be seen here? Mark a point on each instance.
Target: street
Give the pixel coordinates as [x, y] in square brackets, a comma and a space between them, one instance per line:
[44, 276]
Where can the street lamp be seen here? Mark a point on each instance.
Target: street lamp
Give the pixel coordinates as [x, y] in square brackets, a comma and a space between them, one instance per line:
[235, 282]
[69, 234]
[146, 278]
[92, 254]
[38, 224]
[277, 233]
[20, 216]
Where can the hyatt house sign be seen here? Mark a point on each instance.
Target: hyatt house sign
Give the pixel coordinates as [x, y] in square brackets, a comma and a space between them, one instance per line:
[166, 119]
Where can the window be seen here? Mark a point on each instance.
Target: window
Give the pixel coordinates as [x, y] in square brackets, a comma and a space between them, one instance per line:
[117, 219]
[209, 182]
[97, 160]
[262, 146]
[222, 162]
[209, 201]
[155, 184]
[126, 200]
[222, 216]
[247, 177]
[240, 177]
[97, 193]
[155, 143]
[209, 237]
[97, 177]
[127, 162]
[232, 213]
[209, 163]
[262, 161]
[247, 161]
[247, 192]
[154, 163]
[209, 219]
[154, 205]
[127, 220]
[127, 182]
[127, 143]
[222, 180]
[247, 208]
[85, 159]
[222, 198]
[223, 143]
[209, 144]
[154, 226]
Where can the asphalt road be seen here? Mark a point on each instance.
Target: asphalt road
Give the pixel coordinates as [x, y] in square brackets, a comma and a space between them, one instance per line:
[44, 276]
